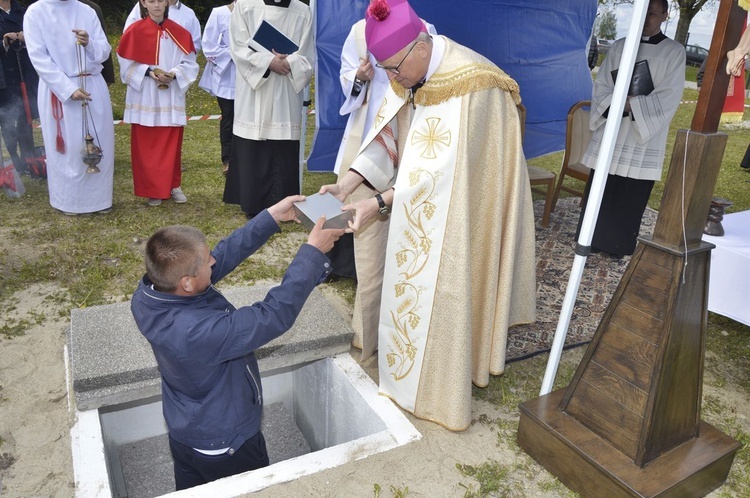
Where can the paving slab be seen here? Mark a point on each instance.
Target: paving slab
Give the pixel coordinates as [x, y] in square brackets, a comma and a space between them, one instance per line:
[111, 362]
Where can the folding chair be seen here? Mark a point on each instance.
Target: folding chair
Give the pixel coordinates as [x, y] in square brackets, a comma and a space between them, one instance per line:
[577, 138]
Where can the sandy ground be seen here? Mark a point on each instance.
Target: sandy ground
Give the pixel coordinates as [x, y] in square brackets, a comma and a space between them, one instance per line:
[35, 455]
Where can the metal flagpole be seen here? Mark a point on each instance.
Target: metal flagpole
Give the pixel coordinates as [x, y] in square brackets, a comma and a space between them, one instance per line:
[583, 246]
[303, 132]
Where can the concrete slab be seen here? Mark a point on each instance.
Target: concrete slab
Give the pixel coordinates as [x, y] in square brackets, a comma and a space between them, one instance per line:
[147, 464]
[148, 467]
[111, 362]
[284, 440]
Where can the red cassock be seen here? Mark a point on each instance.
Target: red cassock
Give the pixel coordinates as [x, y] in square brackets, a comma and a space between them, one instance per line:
[156, 149]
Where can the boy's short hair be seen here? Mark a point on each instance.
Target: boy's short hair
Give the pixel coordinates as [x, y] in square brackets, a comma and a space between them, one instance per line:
[173, 252]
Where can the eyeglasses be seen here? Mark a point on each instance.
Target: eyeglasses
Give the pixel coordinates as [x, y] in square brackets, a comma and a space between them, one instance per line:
[394, 69]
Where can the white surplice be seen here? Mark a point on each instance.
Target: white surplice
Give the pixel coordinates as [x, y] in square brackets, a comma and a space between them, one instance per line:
[641, 142]
[145, 103]
[270, 107]
[220, 71]
[52, 48]
[179, 13]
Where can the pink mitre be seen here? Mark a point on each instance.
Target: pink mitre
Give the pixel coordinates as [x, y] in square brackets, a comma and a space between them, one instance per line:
[390, 26]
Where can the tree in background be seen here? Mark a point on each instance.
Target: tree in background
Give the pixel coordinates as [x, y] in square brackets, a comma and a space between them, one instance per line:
[687, 10]
[607, 25]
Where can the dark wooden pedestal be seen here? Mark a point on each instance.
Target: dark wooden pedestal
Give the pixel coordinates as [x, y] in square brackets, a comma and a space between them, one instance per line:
[591, 466]
[629, 422]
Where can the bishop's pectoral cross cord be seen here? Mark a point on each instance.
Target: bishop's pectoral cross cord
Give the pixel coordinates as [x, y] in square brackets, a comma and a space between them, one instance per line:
[412, 92]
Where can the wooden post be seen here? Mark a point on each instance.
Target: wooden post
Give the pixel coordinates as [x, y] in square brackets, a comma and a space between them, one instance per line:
[629, 422]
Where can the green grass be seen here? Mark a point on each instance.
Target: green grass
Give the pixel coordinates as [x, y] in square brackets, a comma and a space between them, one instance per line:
[98, 258]
[93, 260]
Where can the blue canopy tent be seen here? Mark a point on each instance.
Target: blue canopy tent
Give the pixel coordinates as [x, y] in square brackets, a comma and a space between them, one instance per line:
[541, 44]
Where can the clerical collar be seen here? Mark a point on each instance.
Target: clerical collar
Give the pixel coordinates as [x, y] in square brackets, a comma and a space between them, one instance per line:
[278, 3]
[654, 39]
[438, 50]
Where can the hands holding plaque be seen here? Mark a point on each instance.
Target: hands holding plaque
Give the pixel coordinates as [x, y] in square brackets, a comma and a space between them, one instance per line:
[361, 211]
[322, 235]
[323, 205]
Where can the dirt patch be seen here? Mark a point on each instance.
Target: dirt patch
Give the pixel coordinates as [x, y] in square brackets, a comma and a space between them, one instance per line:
[35, 450]
[34, 420]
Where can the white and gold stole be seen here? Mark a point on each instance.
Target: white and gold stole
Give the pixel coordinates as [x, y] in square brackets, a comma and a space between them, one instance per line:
[419, 215]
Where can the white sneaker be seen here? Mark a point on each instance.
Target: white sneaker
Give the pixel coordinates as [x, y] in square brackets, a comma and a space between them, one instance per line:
[154, 202]
[178, 196]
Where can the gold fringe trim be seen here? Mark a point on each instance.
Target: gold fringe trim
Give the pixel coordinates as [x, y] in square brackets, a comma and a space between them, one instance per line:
[745, 4]
[731, 117]
[470, 78]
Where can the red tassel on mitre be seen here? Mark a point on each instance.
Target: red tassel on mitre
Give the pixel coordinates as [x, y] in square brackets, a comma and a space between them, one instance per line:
[379, 9]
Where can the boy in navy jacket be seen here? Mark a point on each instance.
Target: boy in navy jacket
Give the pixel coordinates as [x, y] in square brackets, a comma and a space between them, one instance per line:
[211, 391]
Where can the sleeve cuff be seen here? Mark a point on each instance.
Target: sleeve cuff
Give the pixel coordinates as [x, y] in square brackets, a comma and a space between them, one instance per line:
[317, 258]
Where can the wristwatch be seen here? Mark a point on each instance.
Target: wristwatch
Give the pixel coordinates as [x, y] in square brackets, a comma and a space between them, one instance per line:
[382, 208]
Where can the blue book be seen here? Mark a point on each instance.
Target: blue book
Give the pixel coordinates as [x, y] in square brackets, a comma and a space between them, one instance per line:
[268, 37]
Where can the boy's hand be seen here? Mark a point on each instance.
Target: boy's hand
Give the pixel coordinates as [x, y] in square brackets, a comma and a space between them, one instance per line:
[322, 238]
[284, 209]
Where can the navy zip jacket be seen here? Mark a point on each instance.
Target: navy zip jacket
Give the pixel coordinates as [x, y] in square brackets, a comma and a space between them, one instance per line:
[211, 390]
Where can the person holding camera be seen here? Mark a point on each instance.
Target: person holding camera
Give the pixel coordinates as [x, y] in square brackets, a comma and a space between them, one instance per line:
[364, 85]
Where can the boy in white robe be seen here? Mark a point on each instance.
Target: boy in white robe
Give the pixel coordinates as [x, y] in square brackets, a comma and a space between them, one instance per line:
[58, 33]
[639, 152]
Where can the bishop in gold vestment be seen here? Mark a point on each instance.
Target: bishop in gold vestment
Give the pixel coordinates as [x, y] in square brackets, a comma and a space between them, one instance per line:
[445, 154]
